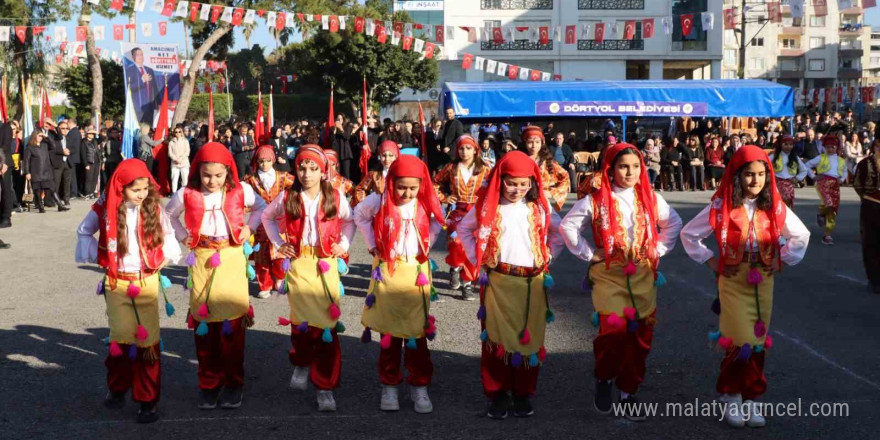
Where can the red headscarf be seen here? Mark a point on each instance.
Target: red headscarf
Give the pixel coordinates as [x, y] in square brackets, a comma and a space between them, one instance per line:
[128, 171]
[466, 139]
[722, 201]
[214, 152]
[313, 153]
[514, 164]
[332, 160]
[604, 235]
[532, 130]
[263, 152]
[389, 146]
[388, 216]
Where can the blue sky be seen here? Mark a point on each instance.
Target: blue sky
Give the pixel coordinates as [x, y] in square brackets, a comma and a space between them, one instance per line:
[872, 17]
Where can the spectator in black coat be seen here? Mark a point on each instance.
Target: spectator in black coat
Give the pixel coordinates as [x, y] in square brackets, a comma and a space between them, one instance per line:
[39, 169]
[452, 130]
[563, 155]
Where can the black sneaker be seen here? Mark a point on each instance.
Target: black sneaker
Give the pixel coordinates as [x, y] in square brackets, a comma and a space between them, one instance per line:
[230, 398]
[4, 245]
[62, 208]
[467, 292]
[148, 413]
[602, 400]
[631, 409]
[114, 400]
[6, 223]
[499, 406]
[522, 407]
[209, 399]
[454, 279]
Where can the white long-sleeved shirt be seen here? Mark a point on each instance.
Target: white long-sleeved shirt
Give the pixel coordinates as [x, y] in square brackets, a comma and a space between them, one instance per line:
[581, 217]
[408, 241]
[515, 243]
[267, 178]
[275, 212]
[796, 235]
[833, 160]
[87, 245]
[784, 174]
[214, 222]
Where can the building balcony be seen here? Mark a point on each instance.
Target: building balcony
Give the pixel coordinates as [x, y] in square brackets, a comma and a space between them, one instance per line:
[856, 10]
[516, 4]
[793, 30]
[611, 45]
[516, 45]
[851, 29]
[849, 73]
[792, 51]
[611, 4]
[849, 52]
[790, 72]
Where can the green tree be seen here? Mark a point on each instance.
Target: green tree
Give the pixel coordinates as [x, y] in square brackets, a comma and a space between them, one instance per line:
[76, 82]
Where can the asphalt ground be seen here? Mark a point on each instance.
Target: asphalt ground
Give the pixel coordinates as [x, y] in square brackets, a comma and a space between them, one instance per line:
[825, 351]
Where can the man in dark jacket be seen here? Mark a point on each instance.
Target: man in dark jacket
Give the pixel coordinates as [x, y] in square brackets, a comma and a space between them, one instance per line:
[77, 166]
[60, 154]
[452, 130]
[7, 194]
[563, 155]
[243, 149]
[4, 170]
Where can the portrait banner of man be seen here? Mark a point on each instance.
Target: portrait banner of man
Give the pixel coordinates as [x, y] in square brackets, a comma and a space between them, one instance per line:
[149, 69]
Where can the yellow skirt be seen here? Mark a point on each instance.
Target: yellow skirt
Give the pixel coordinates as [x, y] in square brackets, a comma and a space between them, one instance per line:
[401, 305]
[306, 296]
[610, 294]
[121, 314]
[505, 299]
[738, 311]
[227, 295]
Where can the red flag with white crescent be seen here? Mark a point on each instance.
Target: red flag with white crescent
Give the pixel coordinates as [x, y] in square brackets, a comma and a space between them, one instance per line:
[687, 24]
[599, 32]
[648, 28]
[629, 30]
[544, 35]
[571, 34]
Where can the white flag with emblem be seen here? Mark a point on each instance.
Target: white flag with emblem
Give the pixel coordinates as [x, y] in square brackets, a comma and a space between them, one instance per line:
[502, 69]
[478, 63]
[708, 21]
[491, 66]
[524, 73]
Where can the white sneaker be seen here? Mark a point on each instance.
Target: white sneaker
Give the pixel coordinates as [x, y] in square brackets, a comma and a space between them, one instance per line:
[299, 381]
[264, 294]
[733, 409]
[389, 399]
[421, 401]
[756, 419]
[326, 402]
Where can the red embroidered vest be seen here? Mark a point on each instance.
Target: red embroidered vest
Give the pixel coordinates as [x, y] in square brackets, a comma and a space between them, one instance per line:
[621, 249]
[423, 226]
[538, 244]
[233, 211]
[738, 235]
[328, 229]
[151, 259]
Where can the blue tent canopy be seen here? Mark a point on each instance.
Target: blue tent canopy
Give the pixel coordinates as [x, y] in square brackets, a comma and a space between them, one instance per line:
[583, 99]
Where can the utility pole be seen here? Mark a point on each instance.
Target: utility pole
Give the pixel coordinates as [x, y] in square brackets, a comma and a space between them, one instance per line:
[742, 41]
[132, 33]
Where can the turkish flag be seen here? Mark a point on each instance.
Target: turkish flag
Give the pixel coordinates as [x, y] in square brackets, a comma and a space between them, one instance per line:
[168, 9]
[839, 94]
[82, 33]
[730, 18]
[334, 24]
[280, 20]
[163, 28]
[870, 4]
[398, 27]
[571, 34]
[117, 32]
[687, 24]
[512, 71]
[816, 96]
[467, 61]
[359, 25]
[407, 43]
[379, 28]
[194, 9]
[216, 10]
[775, 12]
[544, 35]
[382, 37]
[557, 77]
[116, 4]
[317, 17]
[535, 75]
[237, 16]
[599, 32]
[58, 59]
[429, 50]
[497, 36]
[629, 30]
[63, 46]
[439, 36]
[648, 28]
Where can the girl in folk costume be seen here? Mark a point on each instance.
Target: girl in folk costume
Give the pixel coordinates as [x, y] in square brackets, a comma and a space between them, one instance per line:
[374, 181]
[788, 168]
[135, 240]
[319, 228]
[831, 171]
[756, 234]
[339, 182]
[213, 204]
[556, 183]
[267, 184]
[511, 236]
[623, 213]
[866, 183]
[457, 184]
[399, 227]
